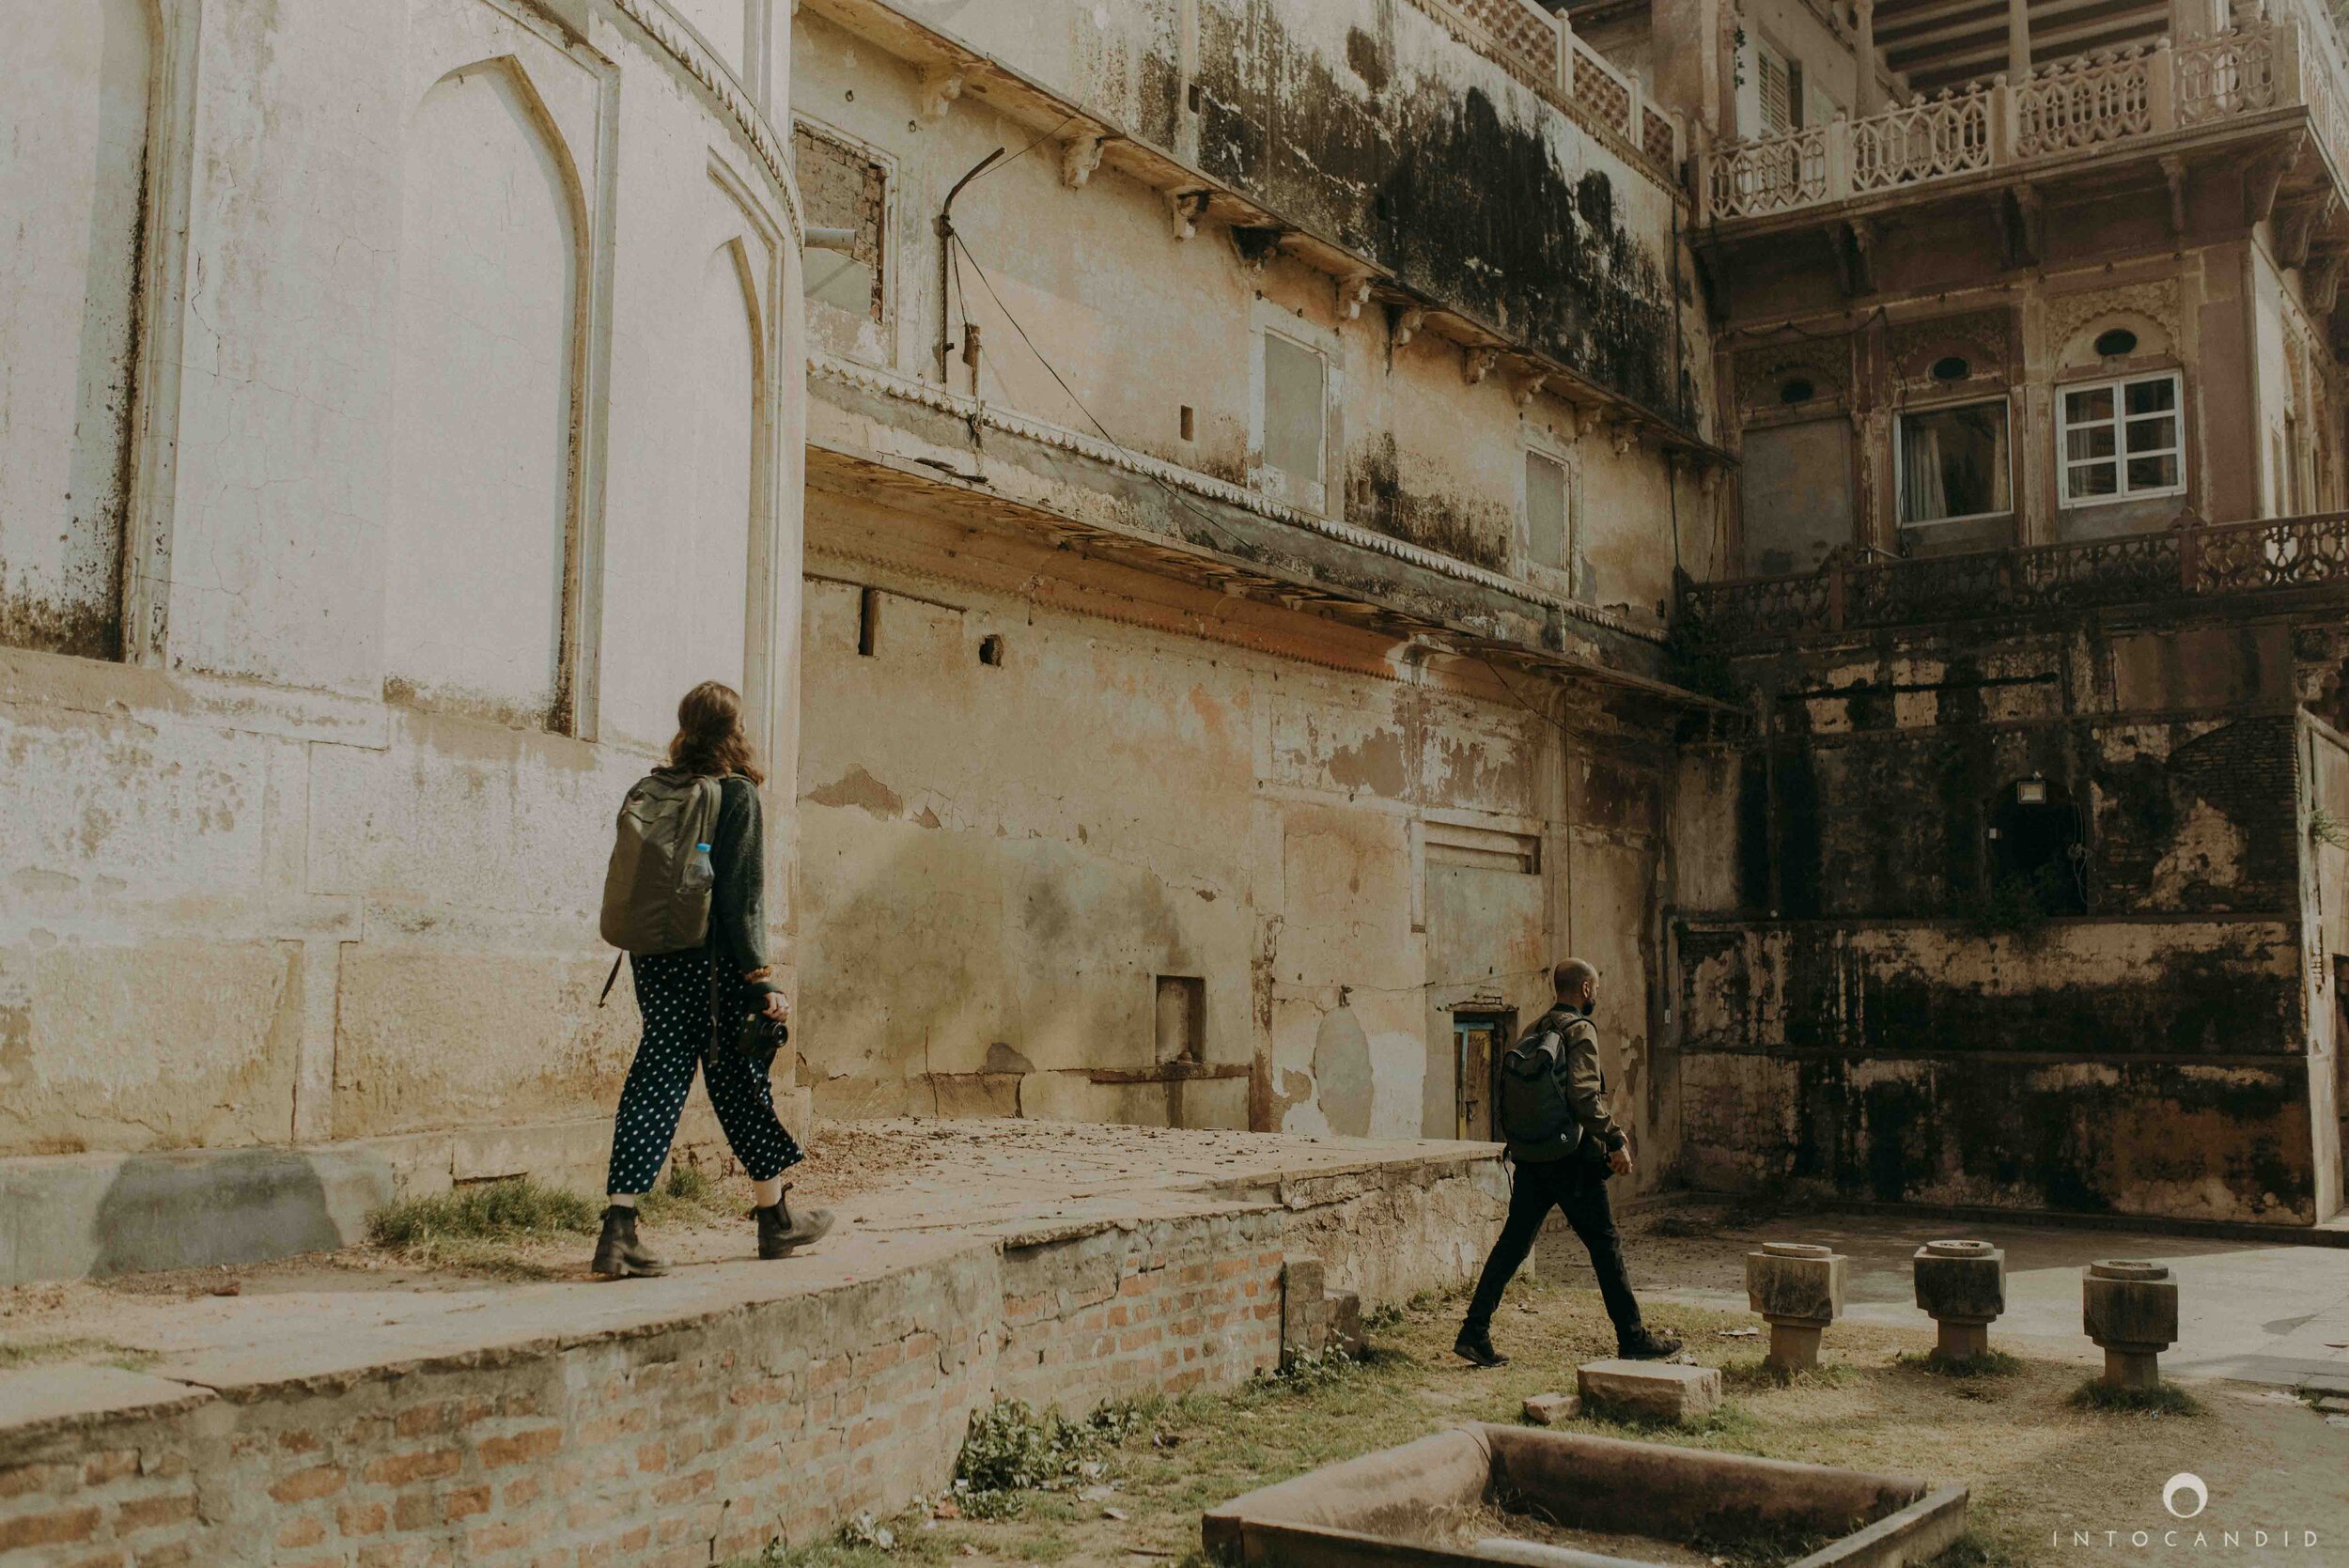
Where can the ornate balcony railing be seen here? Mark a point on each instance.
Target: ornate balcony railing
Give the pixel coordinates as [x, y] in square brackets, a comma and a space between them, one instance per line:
[2062, 108]
[2196, 560]
[1541, 49]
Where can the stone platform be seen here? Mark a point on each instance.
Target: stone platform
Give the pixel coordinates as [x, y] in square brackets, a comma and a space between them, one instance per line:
[328, 1416]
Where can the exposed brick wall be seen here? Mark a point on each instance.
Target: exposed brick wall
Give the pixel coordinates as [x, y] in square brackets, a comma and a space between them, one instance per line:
[685, 1439]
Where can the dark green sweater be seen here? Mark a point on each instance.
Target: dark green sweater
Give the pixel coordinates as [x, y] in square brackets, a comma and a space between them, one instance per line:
[737, 943]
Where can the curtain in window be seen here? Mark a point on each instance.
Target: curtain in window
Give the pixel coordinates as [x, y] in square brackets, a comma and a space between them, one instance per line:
[1924, 497]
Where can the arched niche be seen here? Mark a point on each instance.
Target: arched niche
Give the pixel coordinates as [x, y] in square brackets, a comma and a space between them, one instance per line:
[727, 471]
[487, 352]
[76, 86]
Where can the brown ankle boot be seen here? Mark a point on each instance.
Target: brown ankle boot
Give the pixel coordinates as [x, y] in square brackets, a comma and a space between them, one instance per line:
[781, 1234]
[618, 1254]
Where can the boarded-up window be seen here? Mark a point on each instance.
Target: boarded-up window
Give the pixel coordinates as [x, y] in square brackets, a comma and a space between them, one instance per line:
[1296, 418]
[1794, 494]
[1545, 509]
[74, 90]
[482, 415]
[843, 188]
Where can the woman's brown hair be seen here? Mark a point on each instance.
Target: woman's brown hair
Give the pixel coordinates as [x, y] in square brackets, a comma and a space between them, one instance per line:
[709, 737]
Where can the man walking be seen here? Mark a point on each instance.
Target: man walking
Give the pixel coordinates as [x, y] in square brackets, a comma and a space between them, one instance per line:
[1565, 1145]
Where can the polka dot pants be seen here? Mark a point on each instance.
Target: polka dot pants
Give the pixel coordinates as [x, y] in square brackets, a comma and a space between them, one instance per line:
[673, 994]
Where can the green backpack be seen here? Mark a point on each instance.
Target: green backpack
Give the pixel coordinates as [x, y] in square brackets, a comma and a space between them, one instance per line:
[657, 890]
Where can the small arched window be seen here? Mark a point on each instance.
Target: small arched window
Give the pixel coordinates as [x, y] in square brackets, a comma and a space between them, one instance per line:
[2117, 341]
[1951, 368]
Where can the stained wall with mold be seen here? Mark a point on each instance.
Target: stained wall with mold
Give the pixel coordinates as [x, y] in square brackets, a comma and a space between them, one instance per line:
[1878, 996]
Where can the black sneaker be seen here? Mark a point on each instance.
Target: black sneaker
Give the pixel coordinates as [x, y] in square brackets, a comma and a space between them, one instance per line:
[1643, 1344]
[1477, 1350]
[618, 1254]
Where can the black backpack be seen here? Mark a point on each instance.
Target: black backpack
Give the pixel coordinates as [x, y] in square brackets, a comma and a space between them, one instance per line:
[1532, 1105]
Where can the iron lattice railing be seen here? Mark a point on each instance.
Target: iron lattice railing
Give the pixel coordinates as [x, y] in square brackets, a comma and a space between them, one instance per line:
[1851, 596]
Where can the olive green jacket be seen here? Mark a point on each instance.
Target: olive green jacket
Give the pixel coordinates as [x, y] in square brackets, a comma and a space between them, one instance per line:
[1573, 1043]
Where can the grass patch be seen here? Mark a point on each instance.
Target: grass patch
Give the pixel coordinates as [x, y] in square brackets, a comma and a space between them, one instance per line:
[1756, 1372]
[514, 1210]
[478, 1228]
[2163, 1400]
[1990, 1363]
[33, 1353]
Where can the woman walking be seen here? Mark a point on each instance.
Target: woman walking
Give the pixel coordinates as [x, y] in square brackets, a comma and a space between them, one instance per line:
[694, 998]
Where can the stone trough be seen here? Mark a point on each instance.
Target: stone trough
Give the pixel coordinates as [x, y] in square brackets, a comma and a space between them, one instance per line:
[1473, 1494]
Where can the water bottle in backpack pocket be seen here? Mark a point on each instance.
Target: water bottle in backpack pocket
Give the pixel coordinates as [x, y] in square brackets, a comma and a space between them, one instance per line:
[658, 889]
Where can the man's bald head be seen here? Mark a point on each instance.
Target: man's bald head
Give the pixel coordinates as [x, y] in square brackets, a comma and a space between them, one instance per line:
[1576, 982]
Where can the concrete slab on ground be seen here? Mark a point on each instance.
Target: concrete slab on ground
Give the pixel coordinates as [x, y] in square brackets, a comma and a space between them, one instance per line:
[2259, 1312]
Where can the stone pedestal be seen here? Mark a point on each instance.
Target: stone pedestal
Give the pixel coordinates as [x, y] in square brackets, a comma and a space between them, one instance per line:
[1798, 1289]
[1961, 1286]
[2131, 1311]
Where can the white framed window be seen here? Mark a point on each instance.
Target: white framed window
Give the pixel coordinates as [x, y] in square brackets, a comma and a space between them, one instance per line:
[2122, 440]
[1950, 463]
[1296, 422]
[1548, 511]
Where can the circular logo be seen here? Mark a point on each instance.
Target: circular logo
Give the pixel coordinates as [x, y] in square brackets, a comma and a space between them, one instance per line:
[2185, 1488]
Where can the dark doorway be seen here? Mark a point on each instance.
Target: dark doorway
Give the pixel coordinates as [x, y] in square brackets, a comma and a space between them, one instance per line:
[1478, 1040]
[2037, 839]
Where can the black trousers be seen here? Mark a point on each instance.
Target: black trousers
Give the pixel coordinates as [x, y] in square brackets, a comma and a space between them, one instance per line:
[1579, 1193]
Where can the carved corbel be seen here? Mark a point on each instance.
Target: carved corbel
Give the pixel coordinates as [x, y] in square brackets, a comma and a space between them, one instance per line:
[1185, 207]
[941, 86]
[1708, 479]
[1079, 157]
[2324, 291]
[1570, 424]
[1860, 241]
[1353, 293]
[2301, 224]
[1627, 436]
[1479, 365]
[1407, 322]
[2173, 172]
[1530, 388]
[2260, 179]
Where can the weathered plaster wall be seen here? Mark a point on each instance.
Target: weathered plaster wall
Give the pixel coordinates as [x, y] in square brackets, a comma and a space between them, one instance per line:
[427, 300]
[998, 860]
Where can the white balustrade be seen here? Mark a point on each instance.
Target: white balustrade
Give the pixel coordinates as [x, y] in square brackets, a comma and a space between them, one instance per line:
[2063, 107]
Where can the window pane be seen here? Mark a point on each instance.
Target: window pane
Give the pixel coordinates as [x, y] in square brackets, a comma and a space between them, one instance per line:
[2159, 434]
[2089, 480]
[2093, 442]
[1294, 422]
[2093, 403]
[2151, 396]
[1545, 510]
[1954, 462]
[2153, 473]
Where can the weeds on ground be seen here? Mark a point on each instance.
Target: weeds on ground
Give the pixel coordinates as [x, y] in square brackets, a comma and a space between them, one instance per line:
[1756, 1372]
[1990, 1363]
[2165, 1399]
[1012, 1448]
[689, 1195]
[477, 1227]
